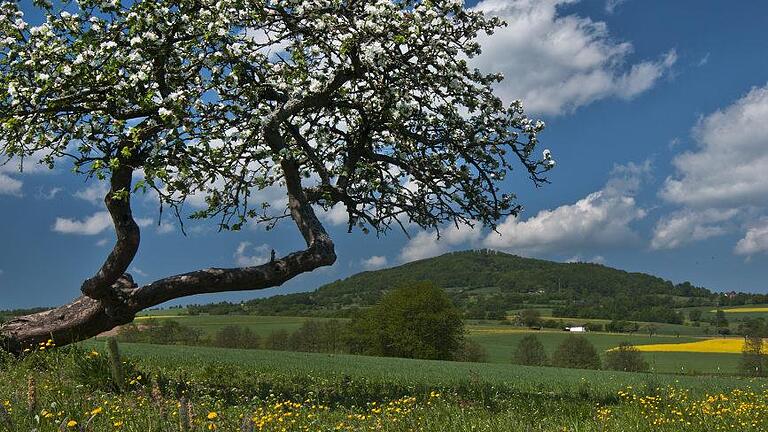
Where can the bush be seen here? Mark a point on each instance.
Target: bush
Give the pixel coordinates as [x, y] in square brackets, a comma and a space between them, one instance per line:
[754, 361]
[471, 351]
[530, 318]
[530, 352]
[277, 340]
[236, 337]
[576, 352]
[625, 358]
[416, 320]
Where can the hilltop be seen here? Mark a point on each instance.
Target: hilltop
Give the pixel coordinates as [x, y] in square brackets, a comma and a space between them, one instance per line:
[486, 284]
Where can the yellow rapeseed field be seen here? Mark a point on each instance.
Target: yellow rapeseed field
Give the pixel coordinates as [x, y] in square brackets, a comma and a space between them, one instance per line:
[703, 346]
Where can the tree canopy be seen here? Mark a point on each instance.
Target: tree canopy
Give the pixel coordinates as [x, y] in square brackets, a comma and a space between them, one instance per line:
[372, 105]
[416, 320]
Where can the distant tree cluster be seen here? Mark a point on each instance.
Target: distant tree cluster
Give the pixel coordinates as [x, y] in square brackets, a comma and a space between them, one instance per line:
[577, 352]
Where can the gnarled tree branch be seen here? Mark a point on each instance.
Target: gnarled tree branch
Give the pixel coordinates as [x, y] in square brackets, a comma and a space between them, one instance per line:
[86, 317]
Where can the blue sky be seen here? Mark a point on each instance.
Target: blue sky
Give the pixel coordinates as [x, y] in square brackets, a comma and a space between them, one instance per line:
[657, 115]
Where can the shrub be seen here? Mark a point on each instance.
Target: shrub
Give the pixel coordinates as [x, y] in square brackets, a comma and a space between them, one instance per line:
[625, 358]
[754, 361]
[530, 352]
[236, 337]
[471, 351]
[277, 340]
[530, 318]
[416, 320]
[576, 352]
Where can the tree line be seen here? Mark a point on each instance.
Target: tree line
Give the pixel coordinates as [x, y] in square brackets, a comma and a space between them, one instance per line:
[414, 321]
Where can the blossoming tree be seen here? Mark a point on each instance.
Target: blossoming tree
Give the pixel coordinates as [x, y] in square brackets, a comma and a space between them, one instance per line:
[370, 105]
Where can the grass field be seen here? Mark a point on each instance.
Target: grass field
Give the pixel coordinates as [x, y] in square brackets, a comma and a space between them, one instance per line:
[423, 374]
[236, 390]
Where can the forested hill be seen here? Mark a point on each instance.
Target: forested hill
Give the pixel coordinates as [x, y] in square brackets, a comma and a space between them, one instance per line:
[486, 284]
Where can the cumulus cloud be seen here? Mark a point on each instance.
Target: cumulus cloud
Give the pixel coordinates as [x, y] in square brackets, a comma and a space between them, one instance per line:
[336, 216]
[721, 182]
[11, 168]
[92, 225]
[94, 193]
[426, 243]
[374, 262]
[728, 167]
[602, 218]
[555, 63]
[686, 226]
[754, 241]
[247, 255]
[9, 185]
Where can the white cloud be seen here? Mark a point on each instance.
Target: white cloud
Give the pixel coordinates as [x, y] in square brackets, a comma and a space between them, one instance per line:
[50, 194]
[94, 193]
[1, 272]
[337, 215]
[102, 242]
[556, 63]
[92, 225]
[9, 185]
[9, 168]
[704, 60]
[166, 228]
[139, 271]
[247, 255]
[611, 5]
[686, 226]
[602, 218]
[426, 244]
[375, 262]
[144, 222]
[722, 182]
[728, 167]
[754, 241]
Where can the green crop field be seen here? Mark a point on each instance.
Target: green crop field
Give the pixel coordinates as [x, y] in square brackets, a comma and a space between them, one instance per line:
[426, 373]
[177, 388]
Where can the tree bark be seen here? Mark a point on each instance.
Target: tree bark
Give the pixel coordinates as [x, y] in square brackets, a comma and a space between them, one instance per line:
[110, 300]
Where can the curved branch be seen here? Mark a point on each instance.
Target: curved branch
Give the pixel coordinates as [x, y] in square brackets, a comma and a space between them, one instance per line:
[118, 202]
